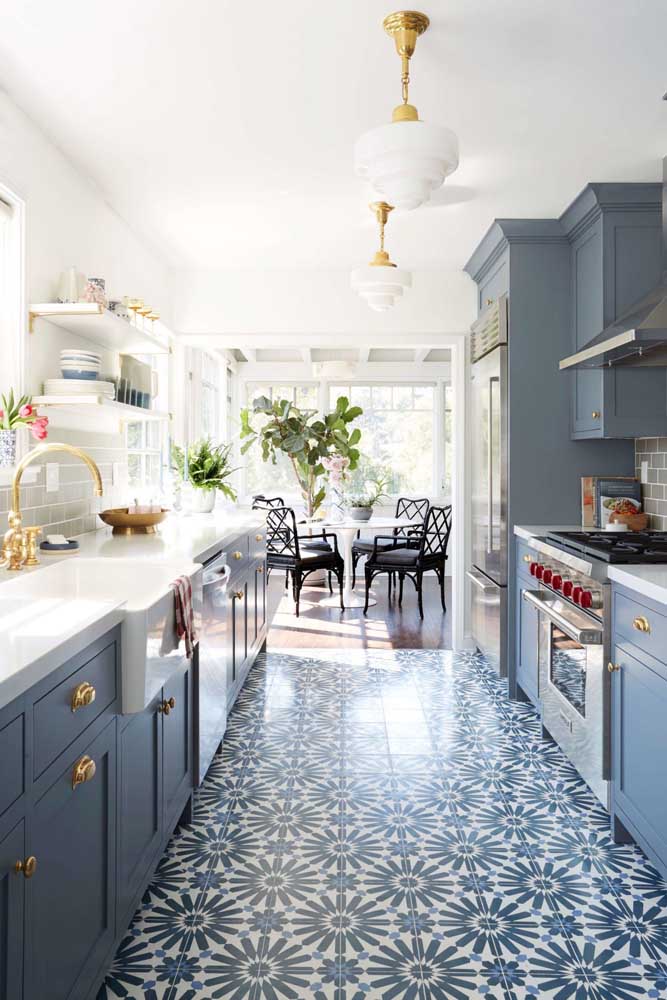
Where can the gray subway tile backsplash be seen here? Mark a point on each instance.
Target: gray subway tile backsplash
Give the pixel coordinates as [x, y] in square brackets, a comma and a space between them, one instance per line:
[653, 451]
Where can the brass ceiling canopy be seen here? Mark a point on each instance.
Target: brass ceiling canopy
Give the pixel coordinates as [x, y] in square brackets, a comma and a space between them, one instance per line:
[405, 27]
[381, 210]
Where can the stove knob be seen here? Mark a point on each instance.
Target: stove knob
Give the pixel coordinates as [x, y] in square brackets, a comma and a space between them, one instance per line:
[556, 581]
[547, 574]
[539, 571]
[596, 599]
[576, 594]
[567, 588]
[586, 599]
[533, 568]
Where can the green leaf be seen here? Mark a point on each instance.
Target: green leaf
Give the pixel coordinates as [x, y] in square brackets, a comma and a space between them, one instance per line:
[355, 436]
[352, 414]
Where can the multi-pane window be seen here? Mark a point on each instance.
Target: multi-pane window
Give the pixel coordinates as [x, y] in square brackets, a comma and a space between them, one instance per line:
[147, 443]
[209, 396]
[263, 477]
[448, 439]
[397, 434]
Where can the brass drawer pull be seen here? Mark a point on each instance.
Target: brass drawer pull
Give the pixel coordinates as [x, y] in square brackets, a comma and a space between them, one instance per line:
[237, 555]
[641, 624]
[595, 414]
[613, 667]
[167, 705]
[83, 695]
[260, 569]
[84, 770]
[27, 867]
[528, 559]
[258, 538]
[239, 595]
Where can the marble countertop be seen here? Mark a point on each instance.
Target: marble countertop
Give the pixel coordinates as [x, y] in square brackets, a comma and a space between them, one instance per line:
[651, 581]
[38, 636]
[527, 531]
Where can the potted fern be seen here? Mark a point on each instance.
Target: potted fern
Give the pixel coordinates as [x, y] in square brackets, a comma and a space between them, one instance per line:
[207, 468]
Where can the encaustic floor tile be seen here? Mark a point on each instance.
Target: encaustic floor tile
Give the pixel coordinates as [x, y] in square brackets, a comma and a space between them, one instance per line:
[387, 825]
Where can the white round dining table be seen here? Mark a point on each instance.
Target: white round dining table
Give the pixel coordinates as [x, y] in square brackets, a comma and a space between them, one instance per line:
[346, 531]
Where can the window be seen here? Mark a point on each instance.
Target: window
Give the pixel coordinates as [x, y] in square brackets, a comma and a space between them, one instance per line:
[147, 443]
[448, 392]
[263, 477]
[209, 396]
[397, 434]
[12, 341]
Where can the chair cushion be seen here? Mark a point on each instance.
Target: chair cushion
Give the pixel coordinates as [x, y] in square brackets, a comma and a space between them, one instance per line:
[363, 547]
[398, 557]
[320, 546]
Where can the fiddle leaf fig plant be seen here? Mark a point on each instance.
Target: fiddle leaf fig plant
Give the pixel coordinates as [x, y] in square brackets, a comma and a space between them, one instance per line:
[305, 437]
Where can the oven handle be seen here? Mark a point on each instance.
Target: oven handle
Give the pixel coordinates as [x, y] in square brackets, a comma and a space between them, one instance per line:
[584, 636]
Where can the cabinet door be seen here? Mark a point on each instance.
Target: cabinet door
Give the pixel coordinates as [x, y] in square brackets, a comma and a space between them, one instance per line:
[260, 600]
[588, 321]
[240, 628]
[70, 899]
[12, 904]
[140, 798]
[177, 747]
[639, 746]
[526, 644]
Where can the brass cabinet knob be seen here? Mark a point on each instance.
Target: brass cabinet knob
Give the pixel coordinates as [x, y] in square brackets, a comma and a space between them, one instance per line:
[613, 667]
[258, 538]
[237, 555]
[641, 624]
[82, 695]
[84, 770]
[167, 705]
[239, 595]
[528, 559]
[27, 867]
[595, 414]
[260, 569]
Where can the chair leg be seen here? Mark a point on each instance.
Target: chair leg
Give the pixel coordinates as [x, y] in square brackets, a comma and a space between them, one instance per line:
[297, 591]
[401, 578]
[390, 578]
[286, 579]
[340, 576]
[442, 588]
[355, 560]
[418, 583]
[329, 578]
[368, 591]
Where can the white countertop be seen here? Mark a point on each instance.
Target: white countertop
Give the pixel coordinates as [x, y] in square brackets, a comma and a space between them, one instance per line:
[528, 531]
[38, 637]
[651, 581]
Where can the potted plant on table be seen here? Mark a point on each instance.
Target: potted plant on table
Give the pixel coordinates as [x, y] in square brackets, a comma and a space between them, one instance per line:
[360, 508]
[207, 468]
[306, 438]
[17, 413]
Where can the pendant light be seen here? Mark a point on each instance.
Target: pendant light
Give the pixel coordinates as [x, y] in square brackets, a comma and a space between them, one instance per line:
[381, 282]
[406, 158]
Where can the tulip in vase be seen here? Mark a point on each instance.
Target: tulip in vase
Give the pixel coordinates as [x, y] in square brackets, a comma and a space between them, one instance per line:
[17, 413]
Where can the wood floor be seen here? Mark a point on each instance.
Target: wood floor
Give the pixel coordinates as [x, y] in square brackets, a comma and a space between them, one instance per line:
[386, 626]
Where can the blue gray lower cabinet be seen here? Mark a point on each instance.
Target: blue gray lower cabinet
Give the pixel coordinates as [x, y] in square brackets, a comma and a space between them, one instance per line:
[639, 734]
[76, 855]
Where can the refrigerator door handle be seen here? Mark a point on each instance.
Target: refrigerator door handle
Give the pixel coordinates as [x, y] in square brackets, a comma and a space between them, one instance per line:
[481, 582]
[493, 380]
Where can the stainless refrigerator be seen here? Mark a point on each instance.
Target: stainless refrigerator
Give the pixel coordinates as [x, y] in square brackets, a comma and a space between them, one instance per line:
[488, 411]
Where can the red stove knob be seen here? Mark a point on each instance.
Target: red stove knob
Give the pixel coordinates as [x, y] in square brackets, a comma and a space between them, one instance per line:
[539, 571]
[547, 574]
[567, 588]
[576, 594]
[557, 581]
[586, 599]
[533, 568]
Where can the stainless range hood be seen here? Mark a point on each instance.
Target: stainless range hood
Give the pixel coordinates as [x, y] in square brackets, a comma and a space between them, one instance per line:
[639, 337]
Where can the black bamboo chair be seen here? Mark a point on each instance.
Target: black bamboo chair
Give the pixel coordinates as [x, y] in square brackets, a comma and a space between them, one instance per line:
[319, 543]
[413, 509]
[405, 560]
[286, 552]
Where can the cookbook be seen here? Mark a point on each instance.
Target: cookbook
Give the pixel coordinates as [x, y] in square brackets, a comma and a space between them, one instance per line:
[601, 496]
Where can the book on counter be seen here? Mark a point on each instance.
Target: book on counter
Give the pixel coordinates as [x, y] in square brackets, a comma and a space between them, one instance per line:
[603, 495]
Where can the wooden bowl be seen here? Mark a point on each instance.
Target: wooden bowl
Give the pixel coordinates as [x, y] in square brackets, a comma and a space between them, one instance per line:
[635, 522]
[132, 524]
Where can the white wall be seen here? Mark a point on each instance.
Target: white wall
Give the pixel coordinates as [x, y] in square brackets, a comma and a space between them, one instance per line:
[316, 304]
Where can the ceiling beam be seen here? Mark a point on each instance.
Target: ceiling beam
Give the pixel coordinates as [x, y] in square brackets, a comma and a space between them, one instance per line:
[307, 355]
[249, 353]
[421, 353]
[296, 341]
[364, 355]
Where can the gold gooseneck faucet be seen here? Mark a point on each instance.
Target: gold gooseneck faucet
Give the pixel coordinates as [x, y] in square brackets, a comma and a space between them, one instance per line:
[19, 547]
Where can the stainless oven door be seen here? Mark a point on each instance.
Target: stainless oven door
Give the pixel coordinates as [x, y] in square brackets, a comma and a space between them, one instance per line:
[573, 686]
[488, 617]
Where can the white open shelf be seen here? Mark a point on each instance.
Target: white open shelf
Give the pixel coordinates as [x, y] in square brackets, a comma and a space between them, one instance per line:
[93, 322]
[92, 411]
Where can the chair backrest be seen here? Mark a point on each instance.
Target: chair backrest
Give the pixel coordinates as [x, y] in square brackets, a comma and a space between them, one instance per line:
[414, 509]
[437, 528]
[260, 502]
[281, 535]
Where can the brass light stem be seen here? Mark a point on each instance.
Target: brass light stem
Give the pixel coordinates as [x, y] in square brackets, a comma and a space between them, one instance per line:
[405, 27]
[381, 211]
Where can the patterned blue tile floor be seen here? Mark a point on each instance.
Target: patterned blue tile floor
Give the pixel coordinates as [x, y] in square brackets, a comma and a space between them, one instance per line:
[388, 825]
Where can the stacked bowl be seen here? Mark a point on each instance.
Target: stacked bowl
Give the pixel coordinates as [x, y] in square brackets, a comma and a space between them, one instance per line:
[76, 364]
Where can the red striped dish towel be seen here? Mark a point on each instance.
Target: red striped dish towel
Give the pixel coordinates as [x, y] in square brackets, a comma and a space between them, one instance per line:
[185, 616]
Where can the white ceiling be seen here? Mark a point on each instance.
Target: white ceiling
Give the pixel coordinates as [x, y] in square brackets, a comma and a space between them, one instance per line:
[224, 131]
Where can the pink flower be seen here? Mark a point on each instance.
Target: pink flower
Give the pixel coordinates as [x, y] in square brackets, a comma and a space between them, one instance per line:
[25, 411]
[2, 414]
[38, 428]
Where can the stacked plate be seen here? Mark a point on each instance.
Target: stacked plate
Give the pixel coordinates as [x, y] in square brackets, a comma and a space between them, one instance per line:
[75, 386]
[82, 365]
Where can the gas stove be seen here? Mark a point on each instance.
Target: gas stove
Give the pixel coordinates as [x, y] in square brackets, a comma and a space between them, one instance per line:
[615, 547]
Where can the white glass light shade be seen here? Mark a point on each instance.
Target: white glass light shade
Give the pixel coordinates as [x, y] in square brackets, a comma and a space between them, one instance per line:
[380, 286]
[405, 161]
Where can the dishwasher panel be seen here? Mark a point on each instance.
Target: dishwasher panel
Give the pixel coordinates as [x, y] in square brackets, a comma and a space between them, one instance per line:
[211, 689]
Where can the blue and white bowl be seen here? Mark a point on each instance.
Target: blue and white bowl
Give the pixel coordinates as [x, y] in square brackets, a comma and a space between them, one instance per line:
[80, 373]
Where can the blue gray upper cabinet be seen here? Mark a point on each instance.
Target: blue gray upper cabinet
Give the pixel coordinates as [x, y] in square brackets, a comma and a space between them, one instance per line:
[614, 231]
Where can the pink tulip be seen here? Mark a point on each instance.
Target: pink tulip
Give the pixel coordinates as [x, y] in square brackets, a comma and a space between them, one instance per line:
[25, 411]
[38, 428]
[2, 414]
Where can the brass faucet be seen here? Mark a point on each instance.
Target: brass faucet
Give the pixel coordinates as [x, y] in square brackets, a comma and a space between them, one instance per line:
[19, 547]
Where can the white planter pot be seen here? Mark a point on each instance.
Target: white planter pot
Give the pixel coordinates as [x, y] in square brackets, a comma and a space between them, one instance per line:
[203, 501]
